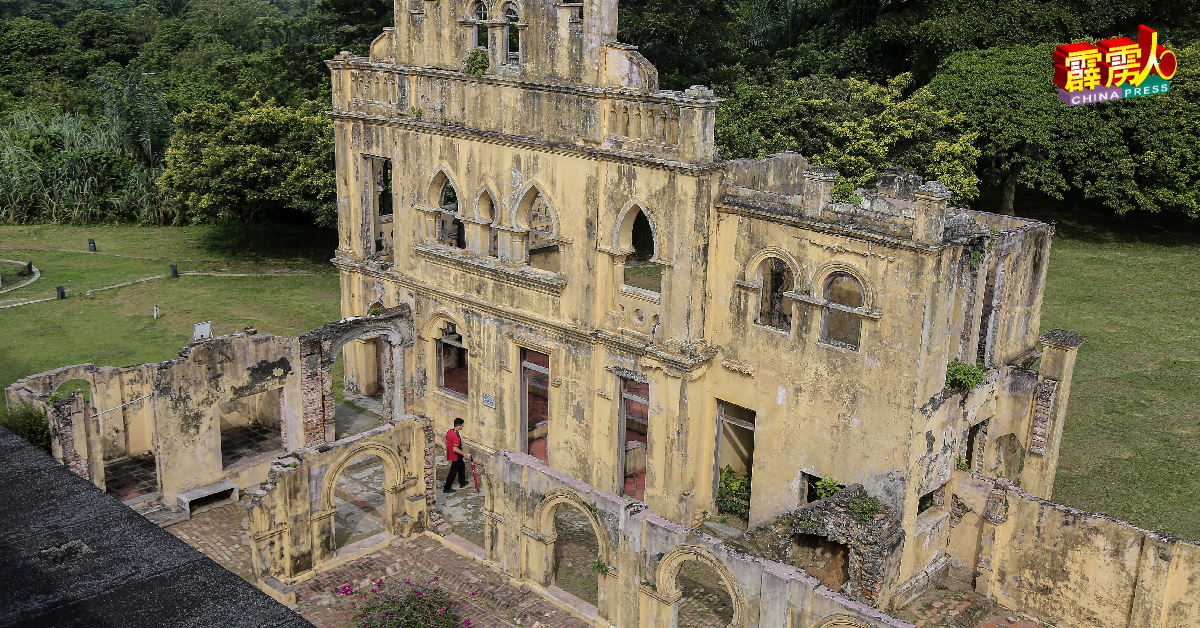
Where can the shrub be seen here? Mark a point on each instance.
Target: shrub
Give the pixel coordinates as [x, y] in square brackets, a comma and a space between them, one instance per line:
[963, 376]
[827, 487]
[865, 508]
[403, 604]
[476, 63]
[29, 423]
[733, 493]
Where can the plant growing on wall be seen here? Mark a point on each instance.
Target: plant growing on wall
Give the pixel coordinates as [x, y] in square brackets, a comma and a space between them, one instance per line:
[598, 566]
[963, 376]
[866, 508]
[827, 487]
[733, 493]
[476, 63]
[963, 464]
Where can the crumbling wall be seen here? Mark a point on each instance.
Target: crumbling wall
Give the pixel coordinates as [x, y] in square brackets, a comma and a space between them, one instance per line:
[1066, 565]
[292, 511]
[643, 552]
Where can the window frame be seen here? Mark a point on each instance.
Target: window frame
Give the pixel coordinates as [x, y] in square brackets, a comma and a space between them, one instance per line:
[512, 17]
[853, 313]
[451, 328]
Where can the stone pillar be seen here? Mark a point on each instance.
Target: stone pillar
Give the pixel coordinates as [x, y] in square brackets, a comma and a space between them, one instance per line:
[313, 391]
[655, 609]
[992, 544]
[930, 220]
[818, 190]
[539, 553]
[1060, 348]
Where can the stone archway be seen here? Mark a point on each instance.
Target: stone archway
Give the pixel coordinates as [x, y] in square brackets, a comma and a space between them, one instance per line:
[323, 521]
[319, 350]
[668, 588]
[541, 555]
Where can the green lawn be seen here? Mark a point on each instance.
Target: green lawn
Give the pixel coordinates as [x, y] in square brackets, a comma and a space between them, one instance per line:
[116, 327]
[1131, 442]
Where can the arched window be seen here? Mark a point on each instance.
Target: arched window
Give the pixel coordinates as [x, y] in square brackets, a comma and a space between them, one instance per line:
[773, 310]
[840, 326]
[512, 35]
[481, 29]
[640, 271]
[450, 229]
[487, 212]
[541, 249]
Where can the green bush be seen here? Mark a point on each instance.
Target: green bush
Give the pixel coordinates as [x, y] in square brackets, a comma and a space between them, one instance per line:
[403, 604]
[827, 487]
[963, 376]
[865, 508]
[29, 423]
[476, 63]
[733, 493]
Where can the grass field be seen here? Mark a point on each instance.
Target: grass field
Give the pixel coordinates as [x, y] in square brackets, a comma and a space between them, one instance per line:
[1131, 442]
[117, 327]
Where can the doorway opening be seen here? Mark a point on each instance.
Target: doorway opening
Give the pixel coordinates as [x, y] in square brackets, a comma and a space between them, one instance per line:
[576, 551]
[735, 459]
[635, 426]
[357, 384]
[250, 427]
[976, 441]
[705, 602]
[821, 558]
[535, 379]
[358, 498]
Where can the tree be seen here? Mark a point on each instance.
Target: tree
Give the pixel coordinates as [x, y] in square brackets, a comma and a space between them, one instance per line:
[1137, 153]
[257, 162]
[855, 127]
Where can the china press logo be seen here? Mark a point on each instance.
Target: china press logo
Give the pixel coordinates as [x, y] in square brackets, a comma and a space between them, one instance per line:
[1113, 69]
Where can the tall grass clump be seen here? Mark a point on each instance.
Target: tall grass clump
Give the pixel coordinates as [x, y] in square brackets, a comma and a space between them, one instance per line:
[29, 423]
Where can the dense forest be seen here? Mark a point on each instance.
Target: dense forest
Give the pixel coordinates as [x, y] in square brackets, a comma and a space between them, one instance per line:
[201, 111]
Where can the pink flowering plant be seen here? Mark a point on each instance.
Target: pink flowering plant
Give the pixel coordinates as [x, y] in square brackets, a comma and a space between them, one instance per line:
[402, 604]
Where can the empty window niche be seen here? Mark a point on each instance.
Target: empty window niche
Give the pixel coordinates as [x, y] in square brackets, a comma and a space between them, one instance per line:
[542, 250]
[932, 501]
[382, 203]
[735, 459]
[839, 325]
[512, 35]
[635, 421]
[250, 427]
[535, 378]
[451, 230]
[976, 441]
[487, 211]
[640, 271]
[481, 30]
[773, 310]
[452, 361]
[822, 558]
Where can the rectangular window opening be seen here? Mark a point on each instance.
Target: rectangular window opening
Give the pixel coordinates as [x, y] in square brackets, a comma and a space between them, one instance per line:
[976, 440]
[931, 501]
[452, 362]
[635, 423]
[735, 459]
[535, 378]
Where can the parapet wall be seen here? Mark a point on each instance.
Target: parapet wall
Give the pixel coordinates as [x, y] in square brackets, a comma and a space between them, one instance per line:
[643, 553]
[1061, 564]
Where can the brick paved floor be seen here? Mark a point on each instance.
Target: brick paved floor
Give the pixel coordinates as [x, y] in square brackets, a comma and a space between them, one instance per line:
[705, 602]
[245, 441]
[131, 477]
[954, 604]
[358, 498]
[220, 532]
[494, 605]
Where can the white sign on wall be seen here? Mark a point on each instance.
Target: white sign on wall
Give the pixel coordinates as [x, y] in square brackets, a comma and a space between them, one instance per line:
[202, 331]
[489, 401]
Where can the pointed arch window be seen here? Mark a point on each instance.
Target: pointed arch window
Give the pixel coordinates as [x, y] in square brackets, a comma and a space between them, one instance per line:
[640, 269]
[542, 249]
[773, 310]
[512, 35]
[840, 325]
[451, 230]
[487, 212]
[481, 30]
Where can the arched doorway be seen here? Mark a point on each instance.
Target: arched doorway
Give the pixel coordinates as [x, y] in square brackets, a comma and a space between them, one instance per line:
[576, 565]
[359, 499]
[705, 602]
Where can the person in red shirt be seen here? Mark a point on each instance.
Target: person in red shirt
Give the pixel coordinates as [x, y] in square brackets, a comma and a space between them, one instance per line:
[455, 454]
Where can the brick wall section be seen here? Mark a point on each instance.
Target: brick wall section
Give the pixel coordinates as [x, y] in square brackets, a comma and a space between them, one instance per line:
[1046, 393]
[315, 384]
[62, 417]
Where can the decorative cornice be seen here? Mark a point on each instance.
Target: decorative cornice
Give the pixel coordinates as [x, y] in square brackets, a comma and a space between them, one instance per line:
[520, 276]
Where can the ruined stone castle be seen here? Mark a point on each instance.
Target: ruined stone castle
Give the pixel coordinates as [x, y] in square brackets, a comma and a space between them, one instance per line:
[536, 238]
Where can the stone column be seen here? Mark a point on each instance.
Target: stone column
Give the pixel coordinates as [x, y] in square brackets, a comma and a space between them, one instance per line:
[930, 219]
[818, 190]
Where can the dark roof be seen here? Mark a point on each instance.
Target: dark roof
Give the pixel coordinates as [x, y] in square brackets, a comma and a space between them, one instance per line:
[131, 574]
